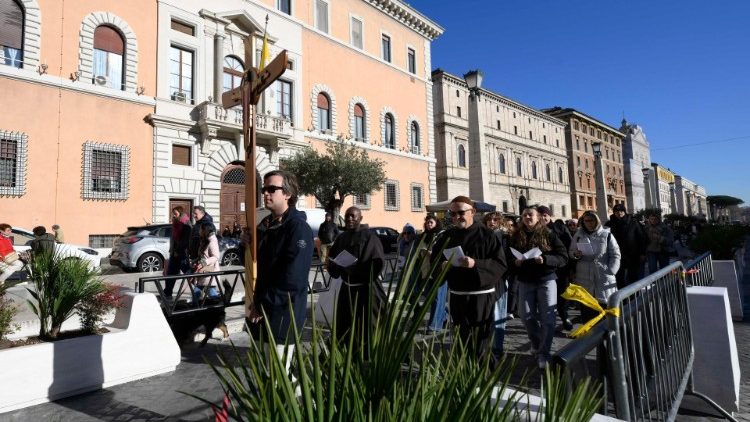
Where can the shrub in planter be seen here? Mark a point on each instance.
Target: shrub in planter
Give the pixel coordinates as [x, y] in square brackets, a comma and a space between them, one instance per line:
[397, 378]
[60, 285]
[93, 309]
[720, 240]
[7, 311]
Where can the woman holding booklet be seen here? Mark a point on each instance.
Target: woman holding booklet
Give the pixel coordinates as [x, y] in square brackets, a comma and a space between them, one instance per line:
[536, 253]
[598, 259]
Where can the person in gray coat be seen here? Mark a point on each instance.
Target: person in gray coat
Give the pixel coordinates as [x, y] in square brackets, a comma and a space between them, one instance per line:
[597, 264]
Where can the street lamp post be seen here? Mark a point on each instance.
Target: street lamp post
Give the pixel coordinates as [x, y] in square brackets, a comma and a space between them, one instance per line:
[601, 190]
[647, 186]
[479, 186]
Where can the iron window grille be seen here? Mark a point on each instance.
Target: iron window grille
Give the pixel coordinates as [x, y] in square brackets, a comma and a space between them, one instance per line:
[362, 201]
[106, 168]
[13, 163]
[417, 199]
[391, 196]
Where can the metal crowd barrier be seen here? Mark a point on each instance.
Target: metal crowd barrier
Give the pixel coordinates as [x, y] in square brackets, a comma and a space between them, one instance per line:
[700, 271]
[225, 283]
[645, 356]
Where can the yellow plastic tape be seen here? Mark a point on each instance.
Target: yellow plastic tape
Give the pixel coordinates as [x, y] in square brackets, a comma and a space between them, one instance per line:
[579, 294]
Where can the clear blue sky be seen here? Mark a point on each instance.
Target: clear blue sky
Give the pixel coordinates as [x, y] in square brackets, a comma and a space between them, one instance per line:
[680, 69]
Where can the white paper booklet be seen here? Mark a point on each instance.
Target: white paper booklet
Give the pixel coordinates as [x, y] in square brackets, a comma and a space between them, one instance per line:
[345, 259]
[585, 248]
[457, 253]
[530, 254]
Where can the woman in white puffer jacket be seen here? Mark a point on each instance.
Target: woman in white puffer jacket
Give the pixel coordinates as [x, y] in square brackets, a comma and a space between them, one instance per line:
[595, 268]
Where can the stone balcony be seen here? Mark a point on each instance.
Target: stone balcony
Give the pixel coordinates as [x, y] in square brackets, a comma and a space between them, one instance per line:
[214, 119]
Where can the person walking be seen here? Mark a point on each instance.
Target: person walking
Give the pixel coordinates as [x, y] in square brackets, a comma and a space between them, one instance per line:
[179, 242]
[43, 242]
[475, 279]
[494, 222]
[59, 235]
[660, 239]
[10, 262]
[563, 274]
[406, 242]
[631, 238]
[537, 288]
[200, 218]
[432, 231]
[207, 263]
[327, 233]
[285, 251]
[360, 280]
[597, 257]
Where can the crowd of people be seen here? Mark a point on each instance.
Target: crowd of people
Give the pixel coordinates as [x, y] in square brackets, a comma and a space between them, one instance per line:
[11, 261]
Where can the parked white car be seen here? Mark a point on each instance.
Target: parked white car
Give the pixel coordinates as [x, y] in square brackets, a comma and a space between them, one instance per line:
[22, 242]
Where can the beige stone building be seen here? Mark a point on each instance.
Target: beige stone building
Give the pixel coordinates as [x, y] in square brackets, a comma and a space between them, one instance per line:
[581, 132]
[497, 150]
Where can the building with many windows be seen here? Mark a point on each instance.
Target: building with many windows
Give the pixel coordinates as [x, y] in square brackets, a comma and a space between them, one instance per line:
[358, 72]
[661, 183]
[581, 133]
[497, 150]
[77, 81]
[690, 198]
[636, 156]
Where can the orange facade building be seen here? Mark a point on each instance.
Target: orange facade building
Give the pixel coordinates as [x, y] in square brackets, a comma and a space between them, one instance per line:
[77, 80]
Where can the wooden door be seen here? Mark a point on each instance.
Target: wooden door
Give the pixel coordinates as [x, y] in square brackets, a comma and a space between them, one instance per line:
[186, 204]
[232, 205]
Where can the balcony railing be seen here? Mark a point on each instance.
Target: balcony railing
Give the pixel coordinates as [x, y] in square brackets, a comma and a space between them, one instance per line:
[231, 119]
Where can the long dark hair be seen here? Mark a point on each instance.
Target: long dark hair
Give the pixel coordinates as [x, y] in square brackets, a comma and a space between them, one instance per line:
[523, 239]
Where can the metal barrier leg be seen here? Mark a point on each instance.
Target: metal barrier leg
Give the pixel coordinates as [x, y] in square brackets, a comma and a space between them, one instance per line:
[708, 400]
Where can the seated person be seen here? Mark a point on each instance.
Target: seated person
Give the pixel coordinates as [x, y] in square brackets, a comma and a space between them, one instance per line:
[10, 261]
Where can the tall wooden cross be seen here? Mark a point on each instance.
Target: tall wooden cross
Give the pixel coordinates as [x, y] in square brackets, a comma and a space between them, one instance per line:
[254, 82]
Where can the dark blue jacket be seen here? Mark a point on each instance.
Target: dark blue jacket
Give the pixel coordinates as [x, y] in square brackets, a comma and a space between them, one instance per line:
[285, 252]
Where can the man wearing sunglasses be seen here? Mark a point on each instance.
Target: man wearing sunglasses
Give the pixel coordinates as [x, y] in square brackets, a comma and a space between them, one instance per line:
[285, 250]
[475, 281]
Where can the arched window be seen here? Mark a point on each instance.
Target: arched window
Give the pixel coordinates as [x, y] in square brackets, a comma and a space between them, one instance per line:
[359, 122]
[461, 156]
[518, 167]
[11, 33]
[390, 132]
[559, 175]
[501, 163]
[324, 113]
[533, 169]
[548, 173]
[233, 70]
[109, 49]
[414, 140]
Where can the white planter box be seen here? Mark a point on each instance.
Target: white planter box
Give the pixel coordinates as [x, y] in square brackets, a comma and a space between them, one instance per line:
[139, 345]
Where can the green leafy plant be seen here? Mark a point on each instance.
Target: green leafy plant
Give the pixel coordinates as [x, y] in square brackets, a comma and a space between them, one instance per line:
[8, 311]
[60, 285]
[579, 405]
[721, 240]
[396, 376]
[93, 309]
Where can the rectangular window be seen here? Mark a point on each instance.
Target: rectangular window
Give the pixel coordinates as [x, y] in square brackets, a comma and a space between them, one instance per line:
[515, 130]
[323, 120]
[107, 65]
[552, 209]
[505, 206]
[564, 211]
[416, 198]
[531, 135]
[581, 201]
[362, 201]
[359, 128]
[181, 75]
[321, 15]
[411, 59]
[386, 47]
[13, 156]
[183, 27]
[544, 137]
[498, 125]
[285, 6]
[102, 240]
[283, 97]
[356, 28]
[391, 196]
[181, 155]
[105, 171]
[458, 111]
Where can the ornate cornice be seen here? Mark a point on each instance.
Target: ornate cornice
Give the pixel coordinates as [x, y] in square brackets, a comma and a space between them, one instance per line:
[408, 16]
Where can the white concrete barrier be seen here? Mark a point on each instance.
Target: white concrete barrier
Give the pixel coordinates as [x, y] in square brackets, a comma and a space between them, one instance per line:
[716, 368]
[725, 275]
[139, 345]
[532, 404]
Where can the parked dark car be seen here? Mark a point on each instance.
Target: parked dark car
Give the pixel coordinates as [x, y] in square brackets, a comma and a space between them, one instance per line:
[146, 248]
[388, 237]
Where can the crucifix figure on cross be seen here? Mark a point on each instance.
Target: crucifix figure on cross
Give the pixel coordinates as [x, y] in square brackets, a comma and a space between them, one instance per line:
[254, 82]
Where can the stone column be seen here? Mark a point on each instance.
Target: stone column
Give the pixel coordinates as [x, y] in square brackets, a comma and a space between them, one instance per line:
[218, 66]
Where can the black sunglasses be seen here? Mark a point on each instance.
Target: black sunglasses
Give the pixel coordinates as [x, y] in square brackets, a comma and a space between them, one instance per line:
[271, 189]
[460, 212]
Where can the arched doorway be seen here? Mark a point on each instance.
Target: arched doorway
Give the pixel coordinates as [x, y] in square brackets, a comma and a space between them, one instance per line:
[232, 205]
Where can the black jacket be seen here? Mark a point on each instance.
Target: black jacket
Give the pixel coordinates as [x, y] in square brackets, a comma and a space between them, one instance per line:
[368, 250]
[195, 234]
[530, 271]
[285, 253]
[327, 232]
[43, 243]
[630, 236]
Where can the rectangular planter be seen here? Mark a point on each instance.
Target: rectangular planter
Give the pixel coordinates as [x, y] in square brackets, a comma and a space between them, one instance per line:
[139, 345]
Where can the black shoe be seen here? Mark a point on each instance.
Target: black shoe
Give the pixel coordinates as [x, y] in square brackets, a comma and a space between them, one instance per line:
[567, 325]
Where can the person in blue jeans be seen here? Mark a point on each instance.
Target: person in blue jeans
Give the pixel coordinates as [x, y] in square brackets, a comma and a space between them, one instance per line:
[426, 241]
[494, 222]
[536, 276]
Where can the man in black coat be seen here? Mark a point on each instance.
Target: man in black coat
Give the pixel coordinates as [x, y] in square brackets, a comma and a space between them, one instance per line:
[202, 218]
[475, 281]
[327, 233]
[361, 297]
[632, 239]
[561, 230]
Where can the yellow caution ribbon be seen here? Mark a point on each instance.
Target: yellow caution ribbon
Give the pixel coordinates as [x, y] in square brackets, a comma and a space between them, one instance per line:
[577, 293]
